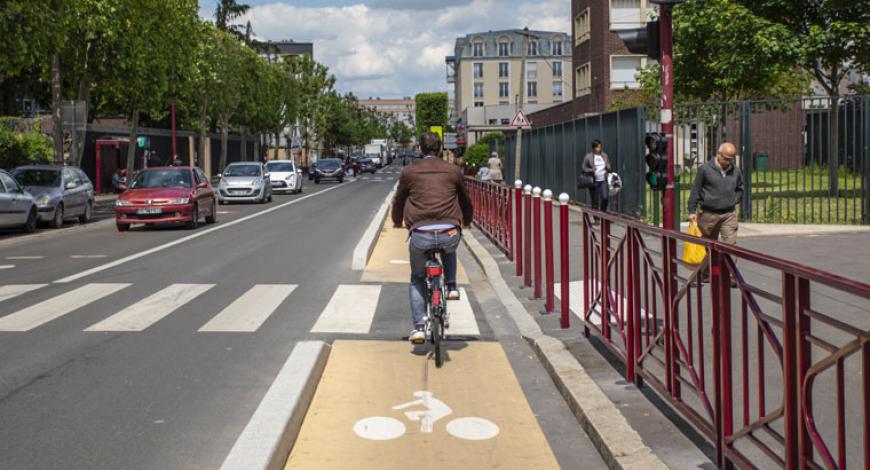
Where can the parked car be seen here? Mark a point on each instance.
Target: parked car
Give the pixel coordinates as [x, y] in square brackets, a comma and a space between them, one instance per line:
[285, 176]
[61, 192]
[245, 182]
[329, 168]
[17, 206]
[366, 165]
[166, 194]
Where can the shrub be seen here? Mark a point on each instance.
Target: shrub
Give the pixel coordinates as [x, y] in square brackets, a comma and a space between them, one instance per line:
[477, 154]
[21, 148]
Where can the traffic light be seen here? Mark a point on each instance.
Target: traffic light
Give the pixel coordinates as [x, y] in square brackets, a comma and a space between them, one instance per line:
[657, 160]
[642, 40]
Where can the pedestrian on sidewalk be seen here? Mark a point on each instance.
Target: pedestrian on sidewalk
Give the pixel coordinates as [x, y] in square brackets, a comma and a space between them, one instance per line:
[717, 190]
[597, 164]
[433, 204]
[495, 174]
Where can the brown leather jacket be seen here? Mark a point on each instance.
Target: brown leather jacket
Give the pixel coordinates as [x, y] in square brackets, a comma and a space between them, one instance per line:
[431, 191]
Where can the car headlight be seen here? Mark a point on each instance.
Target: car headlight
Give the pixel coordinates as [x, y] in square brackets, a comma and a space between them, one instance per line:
[180, 200]
[42, 200]
[120, 202]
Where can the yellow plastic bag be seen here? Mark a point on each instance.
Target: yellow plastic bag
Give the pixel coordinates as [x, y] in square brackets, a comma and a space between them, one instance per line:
[693, 253]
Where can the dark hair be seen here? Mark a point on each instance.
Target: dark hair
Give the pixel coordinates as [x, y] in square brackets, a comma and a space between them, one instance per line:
[595, 143]
[430, 144]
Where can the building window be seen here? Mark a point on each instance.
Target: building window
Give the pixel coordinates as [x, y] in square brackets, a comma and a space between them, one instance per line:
[531, 70]
[505, 121]
[623, 71]
[557, 47]
[478, 104]
[581, 27]
[557, 88]
[503, 70]
[583, 80]
[478, 70]
[504, 48]
[504, 90]
[533, 47]
[626, 14]
[478, 90]
[532, 89]
[477, 49]
[557, 69]
[493, 122]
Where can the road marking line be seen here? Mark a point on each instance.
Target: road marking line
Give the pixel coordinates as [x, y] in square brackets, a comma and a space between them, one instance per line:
[56, 307]
[462, 320]
[251, 310]
[14, 290]
[350, 310]
[17, 258]
[152, 309]
[366, 244]
[188, 238]
[7, 266]
[87, 256]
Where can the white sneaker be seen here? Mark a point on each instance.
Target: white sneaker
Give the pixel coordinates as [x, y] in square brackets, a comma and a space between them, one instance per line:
[417, 336]
[453, 295]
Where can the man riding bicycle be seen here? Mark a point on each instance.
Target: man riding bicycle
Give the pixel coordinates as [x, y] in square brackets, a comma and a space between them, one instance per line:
[433, 204]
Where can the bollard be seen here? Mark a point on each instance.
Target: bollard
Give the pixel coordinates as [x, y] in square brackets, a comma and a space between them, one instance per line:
[518, 208]
[548, 248]
[536, 227]
[527, 235]
[565, 277]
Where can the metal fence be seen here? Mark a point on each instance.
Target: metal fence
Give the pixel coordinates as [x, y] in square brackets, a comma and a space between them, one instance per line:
[552, 156]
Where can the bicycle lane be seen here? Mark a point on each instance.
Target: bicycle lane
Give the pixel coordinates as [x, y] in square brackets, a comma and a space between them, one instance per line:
[380, 407]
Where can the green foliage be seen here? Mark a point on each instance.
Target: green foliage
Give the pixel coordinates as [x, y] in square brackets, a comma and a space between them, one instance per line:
[477, 154]
[431, 111]
[491, 137]
[20, 148]
[31, 34]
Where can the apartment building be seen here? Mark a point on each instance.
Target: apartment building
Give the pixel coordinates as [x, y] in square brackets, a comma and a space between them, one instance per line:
[486, 69]
[275, 51]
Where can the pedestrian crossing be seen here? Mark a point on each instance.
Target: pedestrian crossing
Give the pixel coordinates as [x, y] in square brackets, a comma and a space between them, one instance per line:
[351, 310]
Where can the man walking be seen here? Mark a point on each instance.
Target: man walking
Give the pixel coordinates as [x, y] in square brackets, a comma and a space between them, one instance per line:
[431, 201]
[717, 190]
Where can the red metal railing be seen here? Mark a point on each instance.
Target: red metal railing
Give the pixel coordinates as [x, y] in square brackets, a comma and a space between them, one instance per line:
[492, 212]
[775, 370]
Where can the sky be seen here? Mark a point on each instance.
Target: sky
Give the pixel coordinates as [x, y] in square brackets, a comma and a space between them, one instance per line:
[392, 48]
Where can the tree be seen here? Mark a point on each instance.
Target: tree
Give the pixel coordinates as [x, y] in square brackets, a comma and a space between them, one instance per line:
[230, 59]
[833, 36]
[314, 82]
[431, 111]
[477, 154]
[228, 11]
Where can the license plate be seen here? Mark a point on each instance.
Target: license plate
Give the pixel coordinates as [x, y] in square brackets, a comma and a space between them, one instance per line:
[150, 210]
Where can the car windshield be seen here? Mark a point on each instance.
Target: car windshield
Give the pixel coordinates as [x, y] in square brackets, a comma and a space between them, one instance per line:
[36, 177]
[242, 170]
[280, 167]
[328, 164]
[162, 179]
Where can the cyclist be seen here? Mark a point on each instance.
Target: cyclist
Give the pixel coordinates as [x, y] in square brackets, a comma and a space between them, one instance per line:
[432, 203]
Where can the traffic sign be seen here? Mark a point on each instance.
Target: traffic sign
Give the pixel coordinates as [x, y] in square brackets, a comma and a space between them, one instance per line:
[438, 130]
[520, 120]
[450, 140]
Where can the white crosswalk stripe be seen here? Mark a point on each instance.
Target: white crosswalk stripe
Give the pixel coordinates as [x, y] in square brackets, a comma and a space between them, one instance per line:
[350, 310]
[152, 309]
[251, 310]
[14, 290]
[462, 320]
[56, 307]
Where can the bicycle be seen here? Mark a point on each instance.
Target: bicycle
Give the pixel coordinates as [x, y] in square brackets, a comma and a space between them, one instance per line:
[436, 304]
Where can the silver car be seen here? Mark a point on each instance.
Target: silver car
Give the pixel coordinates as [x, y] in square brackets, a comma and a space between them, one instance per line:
[61, 192]
[245, 182]
[285, 176]
[17, 207]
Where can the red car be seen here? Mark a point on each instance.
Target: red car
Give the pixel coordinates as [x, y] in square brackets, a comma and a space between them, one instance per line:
[167, 194]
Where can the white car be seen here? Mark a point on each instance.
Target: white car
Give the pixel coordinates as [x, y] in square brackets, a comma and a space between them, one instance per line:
[285, 176]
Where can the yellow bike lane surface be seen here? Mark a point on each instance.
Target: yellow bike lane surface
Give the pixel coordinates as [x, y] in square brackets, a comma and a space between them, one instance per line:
[384, 404]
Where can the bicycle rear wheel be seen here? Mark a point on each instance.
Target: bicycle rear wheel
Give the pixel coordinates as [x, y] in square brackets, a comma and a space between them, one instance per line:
[437, 333]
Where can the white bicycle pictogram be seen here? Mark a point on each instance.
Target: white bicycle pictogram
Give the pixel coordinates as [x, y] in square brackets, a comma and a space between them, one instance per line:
[384, 428]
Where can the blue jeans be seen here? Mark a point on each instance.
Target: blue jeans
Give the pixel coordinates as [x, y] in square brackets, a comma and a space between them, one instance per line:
[600, 195]
[420, 243]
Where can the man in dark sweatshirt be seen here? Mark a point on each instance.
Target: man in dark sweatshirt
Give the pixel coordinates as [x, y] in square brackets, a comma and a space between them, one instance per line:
[716, 192]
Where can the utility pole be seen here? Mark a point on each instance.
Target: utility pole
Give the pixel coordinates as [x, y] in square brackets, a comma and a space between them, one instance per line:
[667, 115]
[519, 150]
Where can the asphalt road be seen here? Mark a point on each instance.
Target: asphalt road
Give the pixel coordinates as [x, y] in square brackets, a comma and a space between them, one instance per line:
[98, 372]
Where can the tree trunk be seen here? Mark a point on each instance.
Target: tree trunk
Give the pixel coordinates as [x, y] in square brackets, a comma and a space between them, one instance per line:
[203, 122]
[225, 131]
[257, 155]
[243, 144]
[834, 152]
[56, 109]
[131, 147]
[83, 96]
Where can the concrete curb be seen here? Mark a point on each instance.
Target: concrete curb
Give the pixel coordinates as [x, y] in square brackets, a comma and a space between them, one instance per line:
[267, 439]
[366, 245]
[617, 442]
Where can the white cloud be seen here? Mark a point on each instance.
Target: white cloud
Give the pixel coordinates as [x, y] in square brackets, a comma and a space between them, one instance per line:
[394, 48]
